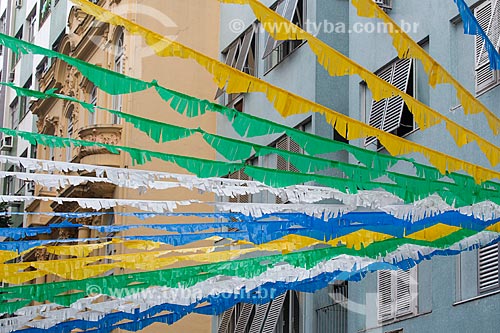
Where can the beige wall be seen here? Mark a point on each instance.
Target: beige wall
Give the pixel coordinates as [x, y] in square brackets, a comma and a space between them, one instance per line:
[194, 23]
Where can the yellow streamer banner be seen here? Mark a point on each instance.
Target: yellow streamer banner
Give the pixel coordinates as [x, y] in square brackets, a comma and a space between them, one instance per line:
[289, 104]
[83, 268]
[408, 48]
[338, 64]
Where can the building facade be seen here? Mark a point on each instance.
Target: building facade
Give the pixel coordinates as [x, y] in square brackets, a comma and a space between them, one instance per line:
[60, 26]
[446, 294]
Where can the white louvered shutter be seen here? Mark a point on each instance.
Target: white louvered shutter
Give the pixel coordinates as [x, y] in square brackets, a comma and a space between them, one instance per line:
[225, 320]
[243, 319]
[286, 8]
[488, 16]
[378, 107]
[259, 318]
[397, 294]
[489, 268]
[274, 314]
[395, 105]
[384, 291]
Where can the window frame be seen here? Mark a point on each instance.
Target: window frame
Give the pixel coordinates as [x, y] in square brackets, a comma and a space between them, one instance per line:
[233, 57]
[281, 50]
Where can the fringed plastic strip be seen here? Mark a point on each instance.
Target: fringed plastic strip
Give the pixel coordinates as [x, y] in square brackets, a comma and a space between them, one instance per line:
[357, 229]
[338, 64]
[140, 307]
[302, 266]
[287, 103]
[472, 27]
[189, 106]
[408, 48]
[241, 150]
[208, 168]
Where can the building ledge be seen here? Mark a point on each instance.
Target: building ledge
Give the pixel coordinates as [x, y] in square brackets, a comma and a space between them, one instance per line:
[476, 298]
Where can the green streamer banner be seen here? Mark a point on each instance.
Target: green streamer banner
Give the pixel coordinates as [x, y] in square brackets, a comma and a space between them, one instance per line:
[237, 150]
[245, 125]
[67, 292]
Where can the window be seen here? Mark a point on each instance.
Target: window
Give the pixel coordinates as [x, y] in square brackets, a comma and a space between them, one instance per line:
[397, 293]
[14, 113]
[41, 69]
[391, 114]
[17, 56]
[93, 101]
[118, 67]
[277, 50]
[24, 107]
[240, 175]
[31, 26]
[45, 8]
[333, 317]
[488, 268]
[488, 16]
[281, 315]
[241, 55]
[69, 132]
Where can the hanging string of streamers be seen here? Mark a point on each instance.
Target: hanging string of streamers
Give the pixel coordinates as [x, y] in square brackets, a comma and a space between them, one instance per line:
[407, 48]
[288, 104]
[472, 27]
[242, 123]
[279, 222]
[247, 125]
[210, 297]
[300, 263]
[412, 190]
[338, 65]
[364, 250]
[395, 145]
[237, 150]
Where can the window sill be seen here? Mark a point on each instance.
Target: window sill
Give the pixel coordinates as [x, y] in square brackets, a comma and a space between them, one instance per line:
[487, 90]
[282, 60]
[476, 298]
[392, 322]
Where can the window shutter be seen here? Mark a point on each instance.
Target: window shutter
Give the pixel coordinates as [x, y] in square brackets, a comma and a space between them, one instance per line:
[404, 295]
[244, 317]
[225, 320]
[230, 61]
[384, 292]
[286, 8]
[258, 319]
[394, 111]
[240, 175]
[488, 15]
[489, 268]
[245, 48]
[379, 107]
[274, 314]
[397, 294]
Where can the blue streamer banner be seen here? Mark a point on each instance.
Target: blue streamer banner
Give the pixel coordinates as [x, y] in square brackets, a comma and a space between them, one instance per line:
[472, 27]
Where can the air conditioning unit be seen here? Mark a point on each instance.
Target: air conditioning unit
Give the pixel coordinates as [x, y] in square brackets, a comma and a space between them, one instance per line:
[19, 3]
[12, 76]
[384, 4]
[7, 143]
